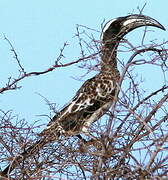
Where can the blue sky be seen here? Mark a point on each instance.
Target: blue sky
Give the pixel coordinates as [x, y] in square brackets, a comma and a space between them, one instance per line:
[38, 29]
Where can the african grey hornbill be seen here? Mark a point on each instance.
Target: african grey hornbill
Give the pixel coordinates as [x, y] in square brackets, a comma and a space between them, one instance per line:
[96, 95]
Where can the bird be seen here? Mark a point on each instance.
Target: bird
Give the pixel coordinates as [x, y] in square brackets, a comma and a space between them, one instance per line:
[95, 96]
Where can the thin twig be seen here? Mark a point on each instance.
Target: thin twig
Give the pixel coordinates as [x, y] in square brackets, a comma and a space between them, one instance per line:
[15, 54]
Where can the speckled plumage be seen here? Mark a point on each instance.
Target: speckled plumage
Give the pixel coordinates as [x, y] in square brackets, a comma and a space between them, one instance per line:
[96, 95]
[92, 95]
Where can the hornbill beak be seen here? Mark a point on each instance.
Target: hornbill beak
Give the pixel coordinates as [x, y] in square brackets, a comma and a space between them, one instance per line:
[115, 29]
[134, 21]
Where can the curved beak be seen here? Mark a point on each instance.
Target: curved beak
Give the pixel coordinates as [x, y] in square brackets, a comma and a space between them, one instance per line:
[134, 21]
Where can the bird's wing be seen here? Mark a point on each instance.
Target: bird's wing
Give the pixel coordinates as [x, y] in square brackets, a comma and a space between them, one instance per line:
[92, 95]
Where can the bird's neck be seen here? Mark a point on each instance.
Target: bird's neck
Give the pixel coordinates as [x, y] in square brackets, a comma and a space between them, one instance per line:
[109, 56]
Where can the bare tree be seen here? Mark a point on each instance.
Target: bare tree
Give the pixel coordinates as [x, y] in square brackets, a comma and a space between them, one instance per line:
[130, 140]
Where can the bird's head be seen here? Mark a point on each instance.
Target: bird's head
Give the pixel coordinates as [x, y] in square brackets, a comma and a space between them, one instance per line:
[115, 29]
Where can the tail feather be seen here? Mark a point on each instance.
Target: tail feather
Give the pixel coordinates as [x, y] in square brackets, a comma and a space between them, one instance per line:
[32, 150]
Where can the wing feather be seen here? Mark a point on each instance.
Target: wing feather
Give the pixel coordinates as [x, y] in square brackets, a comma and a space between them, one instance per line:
[92, 95]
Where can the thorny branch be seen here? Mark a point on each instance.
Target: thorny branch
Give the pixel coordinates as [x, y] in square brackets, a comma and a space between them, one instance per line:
[12, 84]
[15, 54]
[131, 140]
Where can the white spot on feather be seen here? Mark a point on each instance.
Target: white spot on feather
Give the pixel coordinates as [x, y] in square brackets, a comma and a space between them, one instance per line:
[95, 116]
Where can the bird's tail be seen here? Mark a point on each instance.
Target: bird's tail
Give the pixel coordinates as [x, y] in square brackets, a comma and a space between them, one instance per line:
[32, 150]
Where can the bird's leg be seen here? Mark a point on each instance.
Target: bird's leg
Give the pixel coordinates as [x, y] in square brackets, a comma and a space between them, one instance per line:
[81, 138]
[93, 139]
